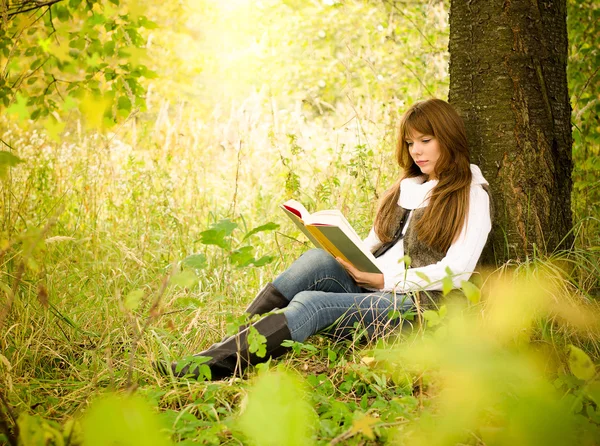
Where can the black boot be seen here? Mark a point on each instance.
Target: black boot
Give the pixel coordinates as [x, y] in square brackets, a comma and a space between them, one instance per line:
[267, 299]
[232, 354]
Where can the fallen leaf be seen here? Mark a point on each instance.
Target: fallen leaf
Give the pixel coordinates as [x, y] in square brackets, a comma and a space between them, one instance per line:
[364, 426]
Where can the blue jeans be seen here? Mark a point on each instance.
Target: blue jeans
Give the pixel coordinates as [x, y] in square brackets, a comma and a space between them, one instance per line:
[323, 296]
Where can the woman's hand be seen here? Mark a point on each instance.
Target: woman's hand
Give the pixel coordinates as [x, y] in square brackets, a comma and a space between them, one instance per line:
[367, 280]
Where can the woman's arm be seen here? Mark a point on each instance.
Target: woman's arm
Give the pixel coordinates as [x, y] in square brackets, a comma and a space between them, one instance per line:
[372, 241]
[366, 280]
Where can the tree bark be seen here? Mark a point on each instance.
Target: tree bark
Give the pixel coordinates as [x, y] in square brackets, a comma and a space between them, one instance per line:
[508, 80]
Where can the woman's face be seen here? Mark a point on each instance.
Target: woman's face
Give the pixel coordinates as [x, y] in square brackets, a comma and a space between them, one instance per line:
[425, 152]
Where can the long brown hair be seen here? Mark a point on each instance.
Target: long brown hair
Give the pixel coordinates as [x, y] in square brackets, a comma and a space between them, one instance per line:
[445, 216]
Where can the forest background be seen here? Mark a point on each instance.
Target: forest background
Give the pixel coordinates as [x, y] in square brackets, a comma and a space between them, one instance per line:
[146, 149]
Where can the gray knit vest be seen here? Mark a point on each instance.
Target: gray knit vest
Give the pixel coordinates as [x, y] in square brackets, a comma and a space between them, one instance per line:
[422, 254]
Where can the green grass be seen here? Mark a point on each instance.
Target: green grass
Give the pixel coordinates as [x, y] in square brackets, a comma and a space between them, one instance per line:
[94, 230]
[93, 220]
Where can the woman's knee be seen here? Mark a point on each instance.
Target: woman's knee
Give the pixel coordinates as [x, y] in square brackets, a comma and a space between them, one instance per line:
[307, 305]
[304, 300]
[319, 259]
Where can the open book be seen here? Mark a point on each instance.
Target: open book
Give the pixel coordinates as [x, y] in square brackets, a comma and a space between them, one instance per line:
[329, 230]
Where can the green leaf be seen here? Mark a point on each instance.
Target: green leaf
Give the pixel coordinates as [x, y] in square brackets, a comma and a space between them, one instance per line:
[185, 279]
[580, 364]
[407, 262]
[213, 237]
[62, 13]
[133, 299]
[148, 24]
[192, 361]
[195, 261]
[226, 225]
[266, 227]
[257, 343]
[242, 256]
[217, 233]
[109, 74]
[7, 160]
[124, 105]
[264, 260]
[447, 285]
[19, 108]
[331, 355]
[432, 318]
[471, 291]
[443, 311]
[93, 62]
[109, 48]
[96, 19]
[592, 390]
[34, 430]
[423, 276]
[147, 73]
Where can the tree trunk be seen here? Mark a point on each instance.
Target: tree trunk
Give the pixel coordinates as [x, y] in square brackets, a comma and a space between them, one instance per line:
[508, 79]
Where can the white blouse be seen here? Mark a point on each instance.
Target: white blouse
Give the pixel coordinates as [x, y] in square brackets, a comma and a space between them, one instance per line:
[461, 257]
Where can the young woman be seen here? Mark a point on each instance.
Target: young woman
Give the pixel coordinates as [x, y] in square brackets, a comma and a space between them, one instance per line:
[438, 214]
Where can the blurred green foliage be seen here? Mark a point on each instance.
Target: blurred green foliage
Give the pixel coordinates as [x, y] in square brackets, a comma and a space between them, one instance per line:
[277, 412]
[73, 54]
[122, 420]
[584, 85]
[224, 110]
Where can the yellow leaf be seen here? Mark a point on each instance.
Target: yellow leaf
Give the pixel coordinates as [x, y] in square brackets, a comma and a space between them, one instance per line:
[60, 51]
[69, 104]
[93, 108]
[94, 61]
[185, 279]
[19, 108]
[364, 426]
[580, 364]
[137, 55]
[24, 21]
[54, 128]
[108, 10]
[133, 299]
[471, 291]
[45, 44]
[135, 9]
[367, 360]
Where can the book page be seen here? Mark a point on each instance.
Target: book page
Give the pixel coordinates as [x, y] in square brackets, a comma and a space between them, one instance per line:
[338, 244]
[298, 222]
[296, 208]
[334, 218]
